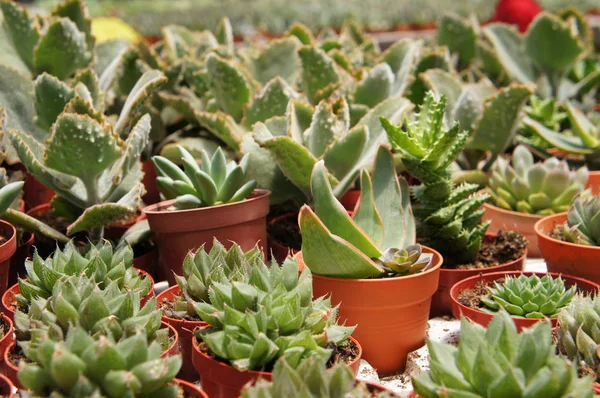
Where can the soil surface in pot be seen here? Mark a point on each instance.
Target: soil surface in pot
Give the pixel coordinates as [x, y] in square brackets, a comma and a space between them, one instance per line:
[286, 232]
[167, 307]
[144, 247]
[505, 247]
[16, 355]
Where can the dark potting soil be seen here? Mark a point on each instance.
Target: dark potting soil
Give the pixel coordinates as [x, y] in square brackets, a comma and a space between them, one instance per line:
[471, 297]
[506, 247]
[15, 356]
[168, 309]
[144, 247]
[286, 232]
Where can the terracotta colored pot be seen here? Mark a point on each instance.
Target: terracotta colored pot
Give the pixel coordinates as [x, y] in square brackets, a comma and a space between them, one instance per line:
[276, 249]
[221, 380]
[442, 303]
[11, 370]
[147, 262]
[185, 329]
[179, 231]
[564, 257]
[6, 387]
[596, 388]
[350, 198]
[191, 390]
[17, 261]
[7, 249]
[174, 347]
[391, 313]
[9, 302]
[594, 182]
[9, 335]
[152, 195]
[35, 193]
[484, 318]
[507, 220]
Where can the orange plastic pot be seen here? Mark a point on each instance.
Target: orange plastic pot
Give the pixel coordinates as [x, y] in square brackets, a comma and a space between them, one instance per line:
[35, 193]
[17, 261]
[564, 257]
[391, 313]
[596, 388]
[594, 182]
[9, 336]
[179, 231]
[152, 195]
[7, 249]
[6, 387]
[9, 302]
[185, 330]
[191, 390]
[221, 380]
[174, 347]
[11, 370]
[276, 249]
[442, 303]
[484, 318]
[508, 220]
[350, 198]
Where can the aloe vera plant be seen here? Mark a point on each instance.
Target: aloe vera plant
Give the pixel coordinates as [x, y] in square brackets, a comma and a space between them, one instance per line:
[284, 319]
[529, 296]
[448, 215]
[215, 183]
[583, 219]
[83, 366]
[542, 188]
[499, 362]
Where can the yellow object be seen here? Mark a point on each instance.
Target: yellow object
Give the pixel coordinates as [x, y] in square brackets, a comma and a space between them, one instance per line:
[109, 28]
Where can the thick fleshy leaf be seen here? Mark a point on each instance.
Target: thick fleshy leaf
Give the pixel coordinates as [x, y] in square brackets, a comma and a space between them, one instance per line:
[443, 83]
[459, 36]
[323, 130]
[230, 87]
[366, 215]
[77, 12]
[583, 127]
[222, 126]
[510, 49]
[23, 30]
[318, 71]
[271, 101]
[342, 155]
[402, 57]
[278, 58]
[563, 142]
[376, 86]
[51, 97]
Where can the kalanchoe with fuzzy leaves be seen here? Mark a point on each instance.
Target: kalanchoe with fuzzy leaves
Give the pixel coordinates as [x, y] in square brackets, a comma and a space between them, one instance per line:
[202, 269]
[268, 314]
[81, 366]
[498, 362]
[529, 297]
[542, 188]
[310, 379]
[448, 216]
[583, 220]
[215, 183]
[102, 262]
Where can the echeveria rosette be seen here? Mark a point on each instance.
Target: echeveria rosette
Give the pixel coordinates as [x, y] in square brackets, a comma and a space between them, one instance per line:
[583, 220]
[529, 296]
[377, 241]
[269, 314]
[542, 188]
[499, 362]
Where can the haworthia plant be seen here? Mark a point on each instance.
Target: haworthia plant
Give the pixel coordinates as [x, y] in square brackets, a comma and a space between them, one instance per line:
[583, 220]
[378, 240]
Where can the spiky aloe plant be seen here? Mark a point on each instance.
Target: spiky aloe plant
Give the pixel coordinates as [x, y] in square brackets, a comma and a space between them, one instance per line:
[448, 215]
[336, 382]
[215, 183]
[583, 220]
[499, 362]
[201, 270]
[378, 240]
[542, 188]
[285, 320]
[81, 366]
[529, 297]
[101, 262]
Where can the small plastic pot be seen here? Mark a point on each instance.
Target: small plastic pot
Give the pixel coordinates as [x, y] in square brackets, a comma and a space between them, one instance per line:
[508, 220]
[191, 390]
[9, 335]
[9, 302]
[35, 193]
[174, 347]
[147, 262]
[152, 195]
[11, 370]
[350, 198]
[7, 249]
[276, 249]
[484, 318]
[6, 387]
[17, 261]
[594, 182]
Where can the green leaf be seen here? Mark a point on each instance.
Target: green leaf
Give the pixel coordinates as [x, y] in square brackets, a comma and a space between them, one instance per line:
[343, 154]
[318, 71]
[366, 215]
[23, 30]
[322, 131]
[510, 49]
[271, 101]
[402, 57]
[459, 36]
[561, 141]
[76, 11]
[222, 126]
[328, 255]
[443, 83]
[375, 87]
[583, 127]
[278, 59]
[51, 97]
[230, 87]
[224, 34]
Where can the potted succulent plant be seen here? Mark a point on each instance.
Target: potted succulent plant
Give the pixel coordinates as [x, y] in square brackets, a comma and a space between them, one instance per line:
[207, 202]
[569, 241]
[6, 335]
[527, 297]
[267, 314]
[448, 214]
[525, 364]
[200, 270]
[337, 382]
[523, 192]
[370, 262]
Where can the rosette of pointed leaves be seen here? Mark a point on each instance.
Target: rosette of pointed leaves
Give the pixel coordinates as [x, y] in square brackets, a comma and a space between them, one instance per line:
[81, 366]
[216, 182]
[499, 362]
[542, 188]
[448, 215]
[378, 240]
[269, 314]
[101, 262]
[202, 269]
[310, 379]
[583, 220]
[529, 296]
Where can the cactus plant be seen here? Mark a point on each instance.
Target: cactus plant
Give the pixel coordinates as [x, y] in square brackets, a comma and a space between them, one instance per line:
[83, 366]
[542, 188]
[448, 216]
[499, 362]
[215, 183]
[583, 219]
[365, 245]
[529, 296]
[268, 314]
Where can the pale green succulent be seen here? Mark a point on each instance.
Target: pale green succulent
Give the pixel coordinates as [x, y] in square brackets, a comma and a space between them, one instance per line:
[529, 297]
[81, 366]
[379, 239]
[215, 183]
[542, 188]
[499, 362]
[583, 220]
[268, 314]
